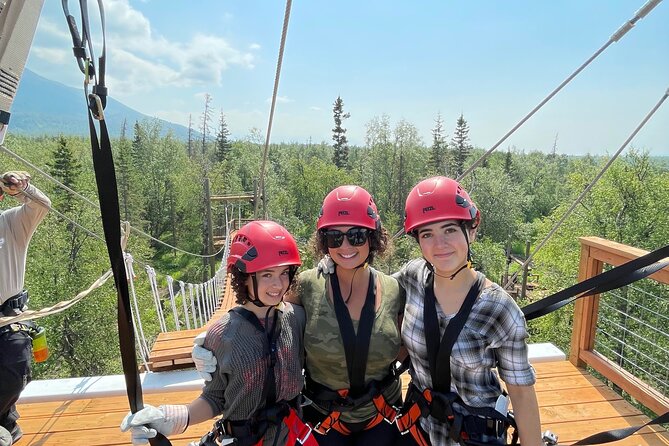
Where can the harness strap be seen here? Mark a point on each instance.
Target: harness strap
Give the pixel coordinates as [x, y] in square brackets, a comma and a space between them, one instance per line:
[356, 346]
[614, 278]
[105, 178]
[439, 355]
[356, 349]
[15, 302]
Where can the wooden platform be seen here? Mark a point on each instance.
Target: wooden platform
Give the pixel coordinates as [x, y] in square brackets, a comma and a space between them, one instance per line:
[172, 350]
[573, 405]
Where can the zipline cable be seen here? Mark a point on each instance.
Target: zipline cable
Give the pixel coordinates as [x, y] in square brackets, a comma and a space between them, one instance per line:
[16, 156]
[260, 194]
[641, 13]
[593, 182]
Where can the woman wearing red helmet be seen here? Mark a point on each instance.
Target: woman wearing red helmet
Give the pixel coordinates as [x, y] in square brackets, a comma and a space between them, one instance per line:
[352, 333]
[458, 326]
[258, 347]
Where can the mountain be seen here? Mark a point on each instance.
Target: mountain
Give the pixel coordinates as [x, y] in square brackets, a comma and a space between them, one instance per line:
[46, 107]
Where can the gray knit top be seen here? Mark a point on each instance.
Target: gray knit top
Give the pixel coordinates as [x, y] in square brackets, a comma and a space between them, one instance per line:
[237, 384]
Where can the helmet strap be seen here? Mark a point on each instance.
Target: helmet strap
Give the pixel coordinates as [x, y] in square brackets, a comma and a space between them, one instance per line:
[255, 300]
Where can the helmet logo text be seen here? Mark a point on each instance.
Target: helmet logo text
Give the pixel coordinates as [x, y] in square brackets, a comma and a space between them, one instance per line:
[343, 213]
[428, 209]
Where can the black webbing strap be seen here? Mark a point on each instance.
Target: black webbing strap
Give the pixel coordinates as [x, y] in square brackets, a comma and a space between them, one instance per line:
[105, 178]
[619, 434]
[439, 353]
[356, 346]
[271, 335]
[609, 280]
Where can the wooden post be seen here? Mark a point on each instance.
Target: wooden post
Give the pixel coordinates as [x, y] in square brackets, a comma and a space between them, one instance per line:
[505, 279]
[210, 232]
[523, 289]
[585, 309]
[256, 198]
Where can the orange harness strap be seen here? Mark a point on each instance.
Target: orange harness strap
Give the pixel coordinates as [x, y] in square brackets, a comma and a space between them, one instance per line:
[409, 420]
[384, 412]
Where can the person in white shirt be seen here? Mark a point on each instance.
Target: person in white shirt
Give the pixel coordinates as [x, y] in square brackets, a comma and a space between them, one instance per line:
[17, 226]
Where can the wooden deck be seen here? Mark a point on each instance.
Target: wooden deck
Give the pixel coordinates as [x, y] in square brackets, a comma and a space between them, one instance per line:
[573, 405]
[172, 350]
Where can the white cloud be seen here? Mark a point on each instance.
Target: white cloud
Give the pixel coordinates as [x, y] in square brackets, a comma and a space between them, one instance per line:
[53, 29]
[52, 55]
[140, 58]
[254, 46]
[314, 108]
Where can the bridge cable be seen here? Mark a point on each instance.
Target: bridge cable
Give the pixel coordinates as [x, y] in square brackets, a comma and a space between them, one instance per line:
[4, 149]
[593, 182]
[641, 13]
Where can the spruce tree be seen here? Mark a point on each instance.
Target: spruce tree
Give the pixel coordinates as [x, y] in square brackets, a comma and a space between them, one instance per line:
[223, 144]
[461, 146]
[437, 162]
[66, 169]
[508, 162]
[340, 157]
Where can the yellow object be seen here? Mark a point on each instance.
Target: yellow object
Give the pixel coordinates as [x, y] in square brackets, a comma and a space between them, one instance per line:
[40, 347]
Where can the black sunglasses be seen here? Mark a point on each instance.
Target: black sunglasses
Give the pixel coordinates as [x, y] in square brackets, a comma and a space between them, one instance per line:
[355, 236]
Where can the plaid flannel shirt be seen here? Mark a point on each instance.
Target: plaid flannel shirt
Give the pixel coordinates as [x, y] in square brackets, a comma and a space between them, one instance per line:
[493, 337]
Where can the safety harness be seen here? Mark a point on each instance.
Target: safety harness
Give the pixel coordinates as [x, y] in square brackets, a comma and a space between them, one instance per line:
[15, 302]
[467, 425]
[356, 349]
[251, 432]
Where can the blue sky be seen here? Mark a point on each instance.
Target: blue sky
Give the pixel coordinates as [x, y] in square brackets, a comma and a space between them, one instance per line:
[493, 61]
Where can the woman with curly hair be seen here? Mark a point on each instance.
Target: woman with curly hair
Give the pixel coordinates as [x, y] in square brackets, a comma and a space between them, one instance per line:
[352, 334]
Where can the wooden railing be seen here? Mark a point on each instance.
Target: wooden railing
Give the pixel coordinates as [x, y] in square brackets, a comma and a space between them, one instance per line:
[595, 252]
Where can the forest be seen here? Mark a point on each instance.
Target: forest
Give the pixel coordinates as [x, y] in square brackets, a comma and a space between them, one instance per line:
[520, 193]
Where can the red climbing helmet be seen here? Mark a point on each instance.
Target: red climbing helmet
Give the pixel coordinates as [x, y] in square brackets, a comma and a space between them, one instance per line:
[435, 199]
[349, 205]
[260, 245]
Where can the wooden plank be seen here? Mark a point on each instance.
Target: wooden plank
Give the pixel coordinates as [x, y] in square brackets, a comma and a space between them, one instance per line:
[75, 407]
[562, 397]
[557, 368]
[571, 431]
[170, 335]
[615, 254]
[573, 405]
[639, 390]
[588, 411]
[567, 382]
[176, 353]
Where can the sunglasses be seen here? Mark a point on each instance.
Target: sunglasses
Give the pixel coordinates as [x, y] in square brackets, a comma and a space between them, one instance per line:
[355, 236]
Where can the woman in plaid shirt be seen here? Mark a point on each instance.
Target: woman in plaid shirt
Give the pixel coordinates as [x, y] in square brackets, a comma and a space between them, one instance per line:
[443, 219]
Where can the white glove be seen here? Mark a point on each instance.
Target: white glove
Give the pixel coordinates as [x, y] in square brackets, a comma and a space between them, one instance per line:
[326, 266]
[13, 182]
[144, 424]
[205, 361]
